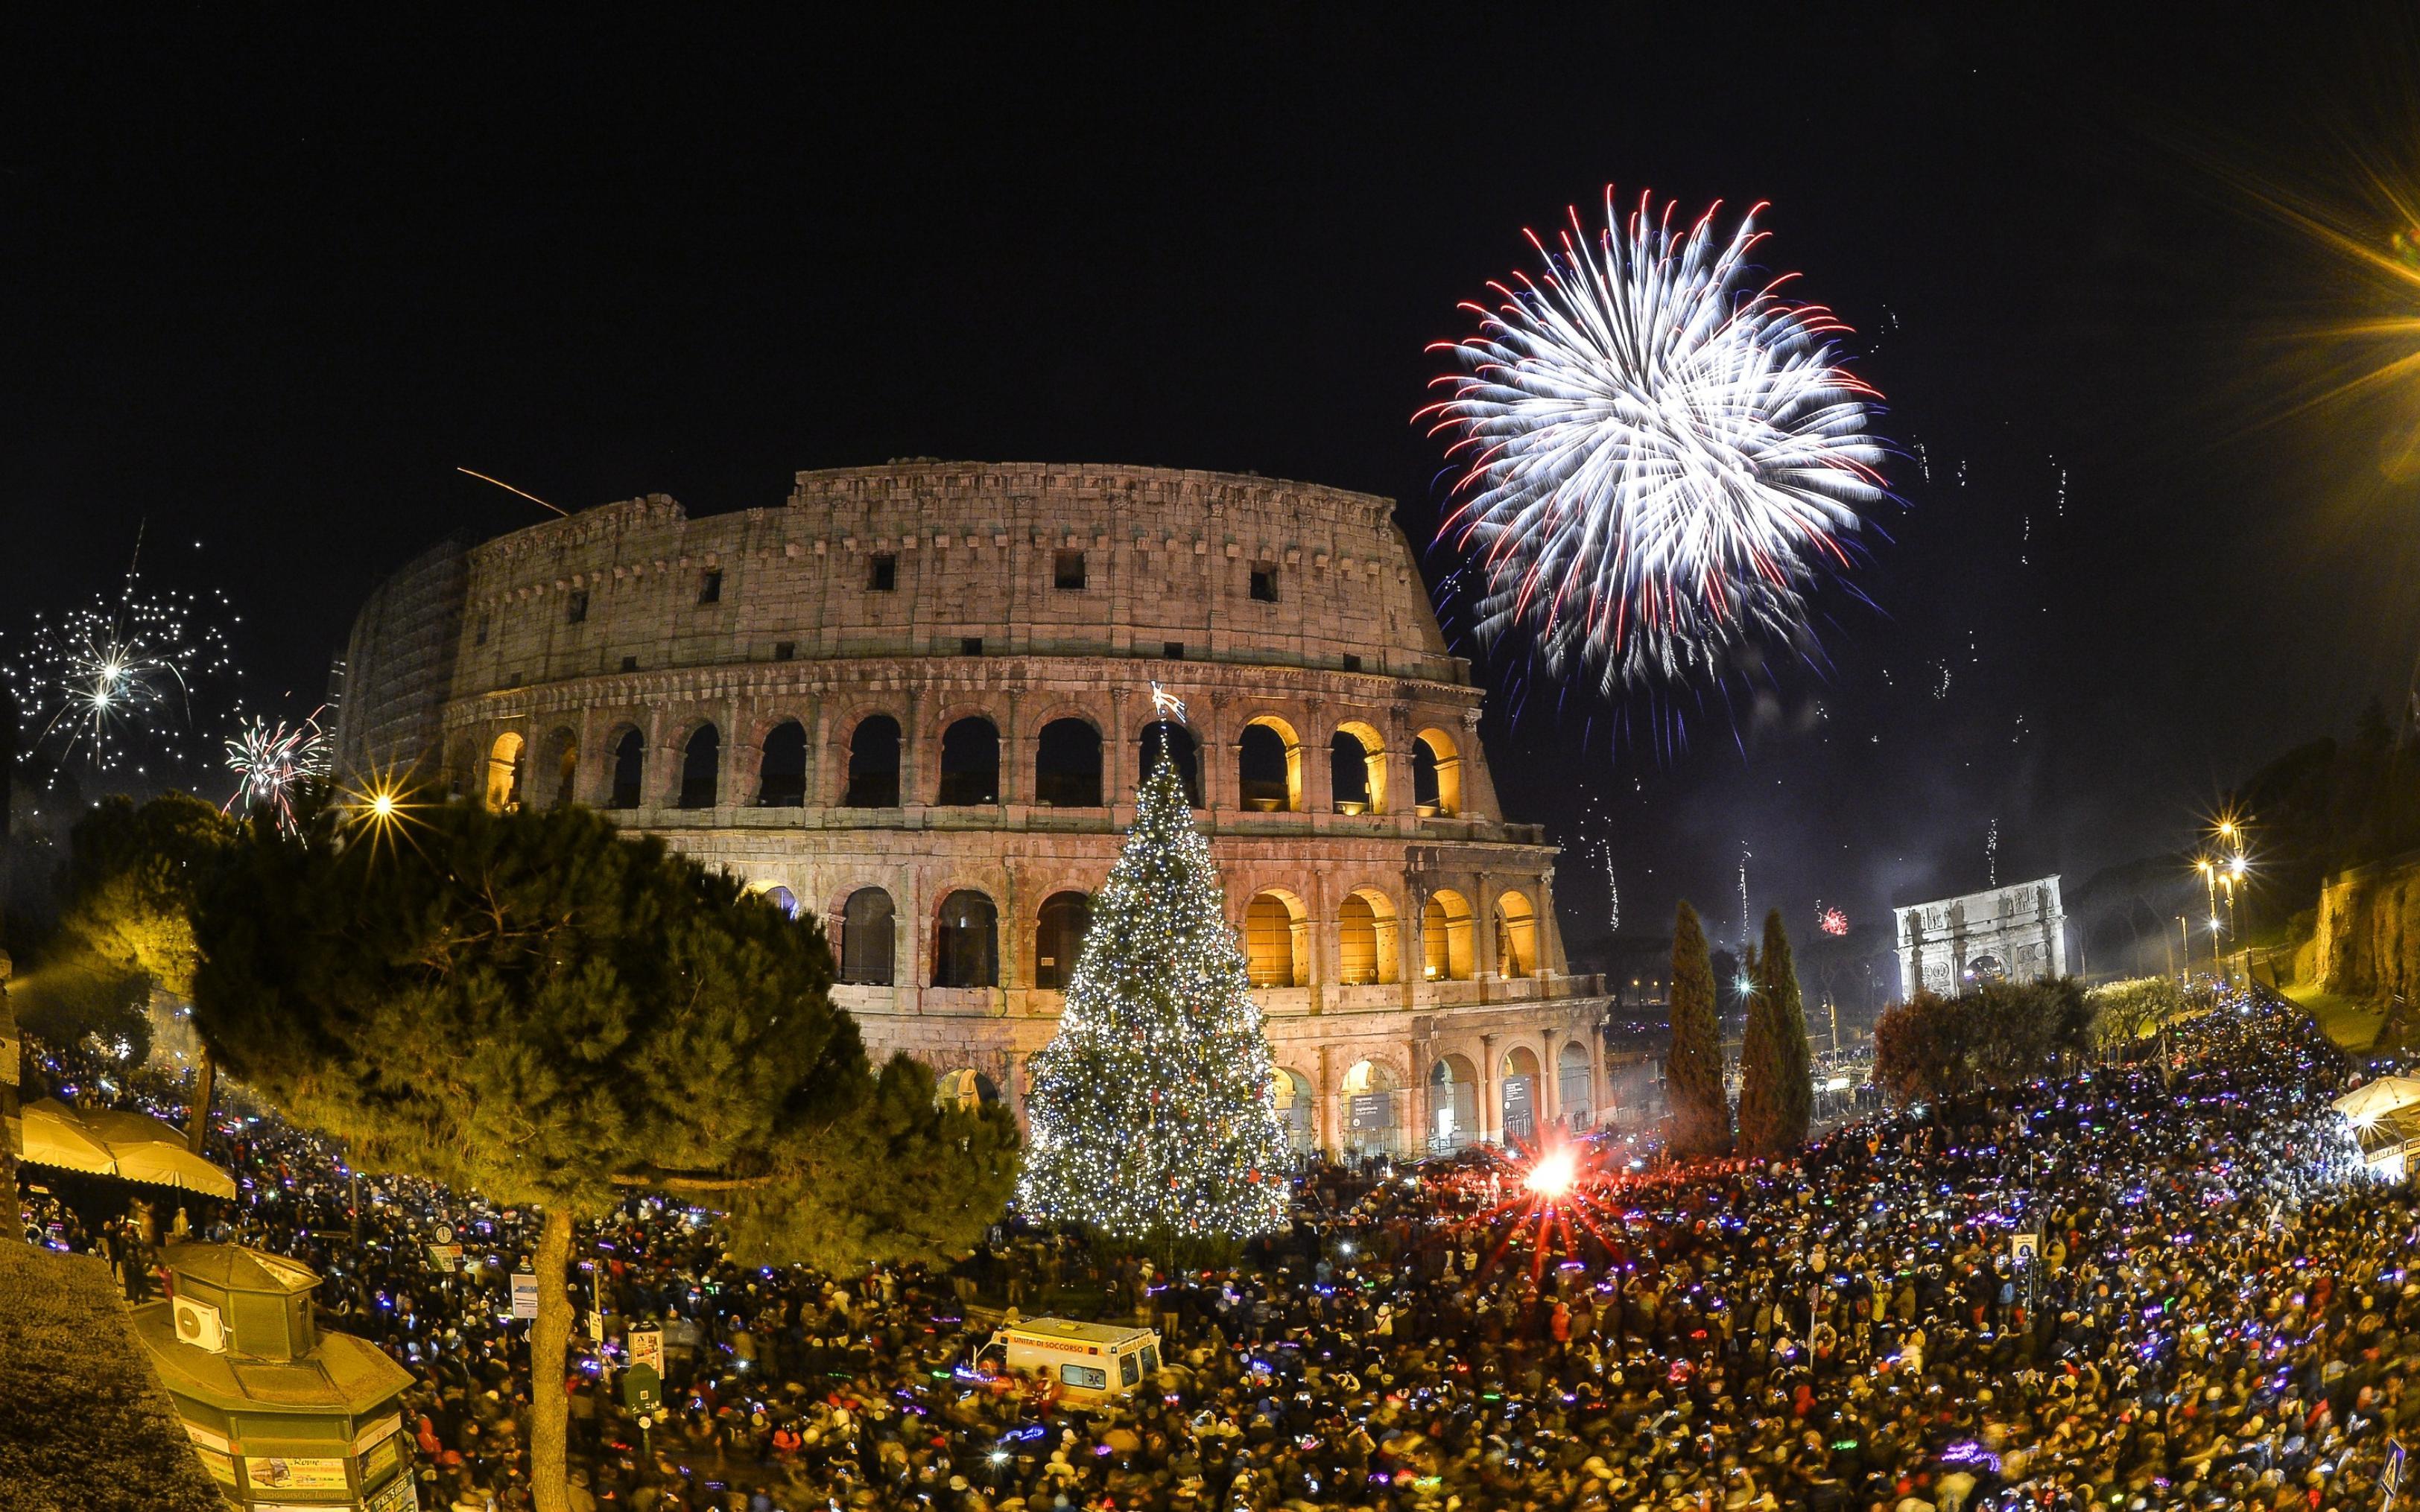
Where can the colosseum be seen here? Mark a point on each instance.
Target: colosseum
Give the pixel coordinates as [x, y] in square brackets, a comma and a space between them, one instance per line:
[917, 701]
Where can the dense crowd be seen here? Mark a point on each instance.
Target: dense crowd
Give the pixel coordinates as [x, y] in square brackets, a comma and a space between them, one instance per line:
[2214, 1313]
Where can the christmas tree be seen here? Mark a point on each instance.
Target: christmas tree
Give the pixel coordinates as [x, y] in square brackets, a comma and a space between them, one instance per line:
[1153, 1111]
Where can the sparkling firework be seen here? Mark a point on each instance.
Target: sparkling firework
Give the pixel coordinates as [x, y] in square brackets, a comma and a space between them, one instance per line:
[1549, 1186]
[123, 685]
[271, 762]
[1831, 920]
[1660, 455]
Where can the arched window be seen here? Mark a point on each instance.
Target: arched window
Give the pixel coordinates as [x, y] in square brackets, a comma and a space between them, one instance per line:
[782, 772]
[629, 770]
[1520, 1091]
[1365, 939]
[1575, 1085]
[1275, 941]
[1296, 1108]
[1454, 1101]
[1059, 938]
[966, 936]
[1372, 1108]
[783, 899]
[701, 767]
[1067, 766]
[1177, 741]
[1268, 768]
[963, 1091]
[504, 785]
[1357, 765]
[867, 933]
[1516, 936]
[1444, 936]
[874, 763]
[969, 765]
[563, 766]
[1436, 775]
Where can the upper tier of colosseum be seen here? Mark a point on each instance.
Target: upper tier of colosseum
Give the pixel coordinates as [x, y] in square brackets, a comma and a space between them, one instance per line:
[947, 558]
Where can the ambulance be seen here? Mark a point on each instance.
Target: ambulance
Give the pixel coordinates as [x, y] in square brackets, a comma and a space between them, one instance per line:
[1086, 1362]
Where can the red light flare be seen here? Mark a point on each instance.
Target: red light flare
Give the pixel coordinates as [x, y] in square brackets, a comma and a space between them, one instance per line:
[1554, 1183]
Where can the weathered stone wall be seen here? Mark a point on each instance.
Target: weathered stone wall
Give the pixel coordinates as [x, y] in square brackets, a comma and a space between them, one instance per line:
[2367, 941]
[746, 631]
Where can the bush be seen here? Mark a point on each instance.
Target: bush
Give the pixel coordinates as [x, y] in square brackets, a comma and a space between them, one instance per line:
[2003, 1033]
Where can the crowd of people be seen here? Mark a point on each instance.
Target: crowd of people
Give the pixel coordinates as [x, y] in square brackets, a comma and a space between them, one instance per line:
[2160, 1285]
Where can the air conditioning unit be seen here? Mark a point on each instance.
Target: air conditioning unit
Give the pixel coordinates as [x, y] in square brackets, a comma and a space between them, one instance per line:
[199, 1324]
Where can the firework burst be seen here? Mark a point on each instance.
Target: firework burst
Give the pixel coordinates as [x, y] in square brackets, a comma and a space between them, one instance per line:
[1549, 1186]
[126, 685]
[272, 762]
[1660, 455]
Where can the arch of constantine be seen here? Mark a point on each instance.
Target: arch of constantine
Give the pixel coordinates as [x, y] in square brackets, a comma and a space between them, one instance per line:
[915, 703]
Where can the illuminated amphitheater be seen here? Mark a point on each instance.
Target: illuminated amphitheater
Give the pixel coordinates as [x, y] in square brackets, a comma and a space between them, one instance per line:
[915, 703]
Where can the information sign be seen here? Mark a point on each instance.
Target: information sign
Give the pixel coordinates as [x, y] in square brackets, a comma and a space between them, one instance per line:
[647, 1349]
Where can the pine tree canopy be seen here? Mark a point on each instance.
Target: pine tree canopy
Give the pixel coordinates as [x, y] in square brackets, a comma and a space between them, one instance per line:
[1777, 1070]
[1153, 1110]
[536, 1008]
[1693, 1074]
[130, 879]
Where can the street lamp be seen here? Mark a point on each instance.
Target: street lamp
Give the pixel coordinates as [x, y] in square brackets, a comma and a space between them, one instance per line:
[2209, 873]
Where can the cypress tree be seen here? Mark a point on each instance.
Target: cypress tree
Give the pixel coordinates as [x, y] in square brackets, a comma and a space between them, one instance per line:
[1693, 1075]
[1776, 1085]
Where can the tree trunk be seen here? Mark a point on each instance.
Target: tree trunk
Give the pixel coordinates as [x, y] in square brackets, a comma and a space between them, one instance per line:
[197, 1119]
[549, 1344]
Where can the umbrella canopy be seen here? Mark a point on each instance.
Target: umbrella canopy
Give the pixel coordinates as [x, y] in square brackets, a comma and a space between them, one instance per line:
[2373, 1101]
[50, 1134]
[147, 1150]
[103, 1142]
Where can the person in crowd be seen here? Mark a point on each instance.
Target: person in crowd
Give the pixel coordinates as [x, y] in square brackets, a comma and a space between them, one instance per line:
[2217, 1309]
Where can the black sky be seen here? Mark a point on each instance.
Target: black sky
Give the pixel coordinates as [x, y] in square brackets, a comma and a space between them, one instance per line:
[268, 287]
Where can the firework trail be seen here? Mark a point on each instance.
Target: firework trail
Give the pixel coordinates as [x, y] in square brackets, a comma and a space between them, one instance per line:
[124, 684]
[1660, 455]
[270, 762]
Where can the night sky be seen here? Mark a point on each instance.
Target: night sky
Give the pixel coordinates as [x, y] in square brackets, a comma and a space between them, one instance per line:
[269, 288]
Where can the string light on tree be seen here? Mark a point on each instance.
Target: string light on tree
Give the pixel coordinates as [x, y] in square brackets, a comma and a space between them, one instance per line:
[1153, 1110]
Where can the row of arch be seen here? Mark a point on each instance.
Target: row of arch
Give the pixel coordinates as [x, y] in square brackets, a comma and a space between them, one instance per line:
[1067, 767]
[1454, 1113]
[965, 938]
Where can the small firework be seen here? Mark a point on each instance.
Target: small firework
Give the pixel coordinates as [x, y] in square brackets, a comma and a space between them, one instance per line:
[124, 685]
[1549, 1186]
[1831, 920]
[1660, 453]
[272, 762]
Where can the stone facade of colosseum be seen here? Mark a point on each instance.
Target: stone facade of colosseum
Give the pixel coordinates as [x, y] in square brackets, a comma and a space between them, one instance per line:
[918, 699]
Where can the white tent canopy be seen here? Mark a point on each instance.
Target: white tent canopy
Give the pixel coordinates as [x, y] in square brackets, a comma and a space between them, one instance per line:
[2373, 1101]
[101, 1142]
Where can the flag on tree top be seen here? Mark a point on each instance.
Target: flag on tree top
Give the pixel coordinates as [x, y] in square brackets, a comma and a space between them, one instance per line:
[1154, 1109]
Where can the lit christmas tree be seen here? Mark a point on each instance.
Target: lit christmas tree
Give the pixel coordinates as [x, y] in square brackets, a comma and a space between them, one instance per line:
[1153, 1111]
